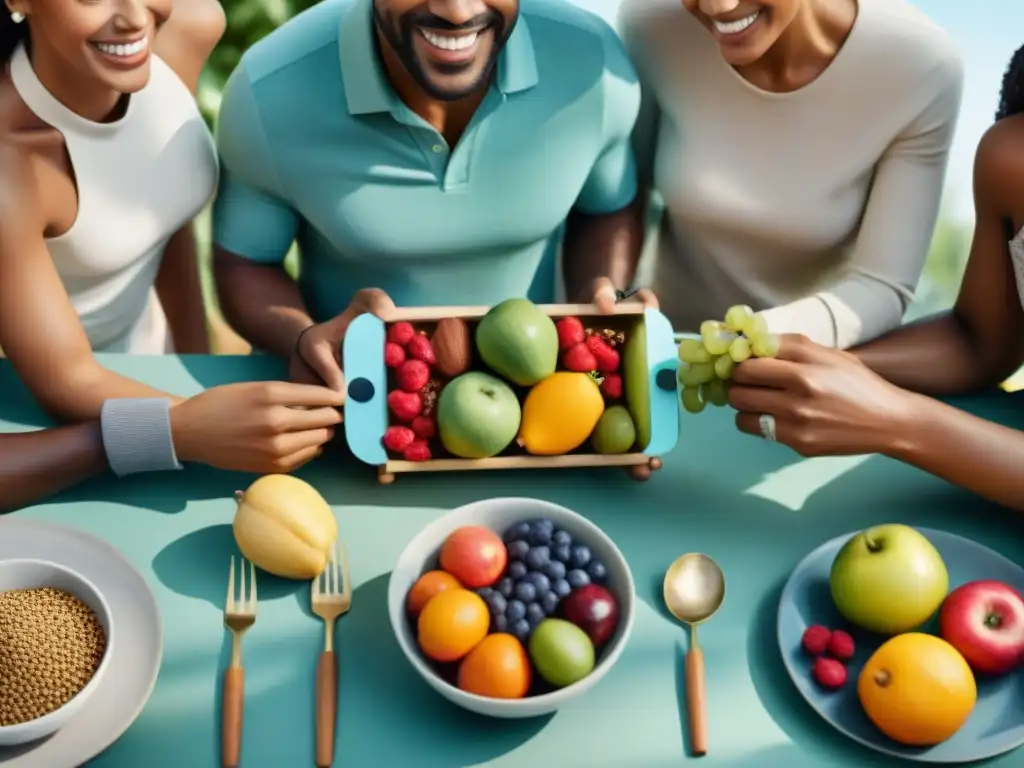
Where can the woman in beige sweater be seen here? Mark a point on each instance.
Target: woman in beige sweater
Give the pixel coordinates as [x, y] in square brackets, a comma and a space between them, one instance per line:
[799, 147]
[826, 402]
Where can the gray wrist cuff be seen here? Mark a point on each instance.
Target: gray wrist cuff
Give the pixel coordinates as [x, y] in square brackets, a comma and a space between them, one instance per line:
[137, 435]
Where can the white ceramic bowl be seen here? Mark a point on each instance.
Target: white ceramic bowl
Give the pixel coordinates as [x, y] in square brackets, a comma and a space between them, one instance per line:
[498, 514]
[35, 574]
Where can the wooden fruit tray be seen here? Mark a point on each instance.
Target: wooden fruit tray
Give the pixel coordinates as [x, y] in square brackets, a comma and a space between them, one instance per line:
[367, 417]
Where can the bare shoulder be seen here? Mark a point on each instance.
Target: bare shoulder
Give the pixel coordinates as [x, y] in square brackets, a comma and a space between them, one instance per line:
[26, 145]
[189, 36]
[999, 166]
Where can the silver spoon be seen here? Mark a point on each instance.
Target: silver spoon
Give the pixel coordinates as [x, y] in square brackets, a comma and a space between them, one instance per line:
[694, 589]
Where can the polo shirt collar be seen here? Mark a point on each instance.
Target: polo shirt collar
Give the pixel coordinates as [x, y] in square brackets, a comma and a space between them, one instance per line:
[367, 89]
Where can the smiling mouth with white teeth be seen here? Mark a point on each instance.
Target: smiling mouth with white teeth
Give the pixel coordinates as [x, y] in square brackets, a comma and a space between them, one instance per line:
[727, 28]
[450, 42]
[123, 50]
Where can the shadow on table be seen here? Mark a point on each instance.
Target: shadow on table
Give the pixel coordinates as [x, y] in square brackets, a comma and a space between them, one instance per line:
[197, 565]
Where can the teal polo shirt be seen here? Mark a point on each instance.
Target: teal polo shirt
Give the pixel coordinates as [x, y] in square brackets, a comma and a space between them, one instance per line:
[316, 148]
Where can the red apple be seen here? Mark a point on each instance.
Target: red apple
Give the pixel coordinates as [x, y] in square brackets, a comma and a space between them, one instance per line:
[984, 620]
[594, 610]
[475, 556]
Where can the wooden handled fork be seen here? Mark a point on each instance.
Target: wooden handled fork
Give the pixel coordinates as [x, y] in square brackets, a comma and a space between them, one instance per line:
[331, 598]
[239, 615]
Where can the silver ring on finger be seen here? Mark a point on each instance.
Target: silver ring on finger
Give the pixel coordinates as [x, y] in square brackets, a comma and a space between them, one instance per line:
[767, 423]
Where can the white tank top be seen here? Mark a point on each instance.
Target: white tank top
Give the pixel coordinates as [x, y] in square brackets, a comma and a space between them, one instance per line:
[140, 179]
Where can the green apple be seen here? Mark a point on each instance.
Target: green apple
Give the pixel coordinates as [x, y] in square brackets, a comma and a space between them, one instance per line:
[888, 579]
[562, 652]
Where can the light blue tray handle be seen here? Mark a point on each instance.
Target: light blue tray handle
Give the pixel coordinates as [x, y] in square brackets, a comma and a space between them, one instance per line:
[662, 371]
[366, 407]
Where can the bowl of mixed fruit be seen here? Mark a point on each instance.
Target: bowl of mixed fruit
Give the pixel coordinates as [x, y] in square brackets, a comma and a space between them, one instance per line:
[511, 607]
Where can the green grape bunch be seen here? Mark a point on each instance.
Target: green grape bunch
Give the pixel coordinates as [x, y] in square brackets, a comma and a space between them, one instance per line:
[706, 364]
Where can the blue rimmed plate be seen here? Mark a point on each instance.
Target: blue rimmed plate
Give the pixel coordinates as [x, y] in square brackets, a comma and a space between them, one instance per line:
[997, 723]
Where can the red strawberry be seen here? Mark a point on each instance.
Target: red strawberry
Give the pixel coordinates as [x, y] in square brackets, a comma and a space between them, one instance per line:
[841, 646]
[424, 427]
[397, 439]
[401, 333]
[607, 358]
[570, 332]
[829, 673]
[394, 355]
[419, 349]
[406, 406]
[418, 450]
[579, 359]
[412, 375]
[612, 386]
[815, 639]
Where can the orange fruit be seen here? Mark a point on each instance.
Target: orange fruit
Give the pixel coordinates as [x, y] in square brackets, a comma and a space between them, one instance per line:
[475, 556]
[498, 667]
[426, 586]
[452, 623]
[917, 689]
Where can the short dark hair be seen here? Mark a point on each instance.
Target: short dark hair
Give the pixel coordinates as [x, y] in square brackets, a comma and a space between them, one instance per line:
[1011, 97]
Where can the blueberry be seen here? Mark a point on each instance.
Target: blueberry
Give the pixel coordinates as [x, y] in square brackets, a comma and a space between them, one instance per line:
[561, 588]
[506, 586]
[596, 571]
[577, 578]
[540, 534]
[545, 522]
[554, 570]
[499, 623]
[526, 592]
[538, 557]
[521, 629]
[580, 556]
[562, 553]
[514, 611]
[549, 602]
[516, 570]
[535, 614]
[562, 539]
[484, 592]
[517, 531]
[517, 549]
[497, 602]
[540, 582]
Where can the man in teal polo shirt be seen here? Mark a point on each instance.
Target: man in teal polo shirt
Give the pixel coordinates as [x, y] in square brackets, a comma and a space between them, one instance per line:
[431, 151]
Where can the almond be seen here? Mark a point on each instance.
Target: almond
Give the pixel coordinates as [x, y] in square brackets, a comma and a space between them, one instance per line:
[453, 347]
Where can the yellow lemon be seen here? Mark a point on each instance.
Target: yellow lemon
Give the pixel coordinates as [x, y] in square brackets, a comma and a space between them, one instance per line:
[917, 689]
[560, 413]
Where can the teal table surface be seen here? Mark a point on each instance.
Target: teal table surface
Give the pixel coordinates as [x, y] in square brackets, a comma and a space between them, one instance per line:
[754, 506]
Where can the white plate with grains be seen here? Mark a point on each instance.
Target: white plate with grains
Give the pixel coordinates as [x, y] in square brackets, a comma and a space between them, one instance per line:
[130, 673]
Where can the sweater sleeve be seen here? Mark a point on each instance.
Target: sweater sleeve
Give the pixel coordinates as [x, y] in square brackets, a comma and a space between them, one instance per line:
[645, 130]
[895, 232]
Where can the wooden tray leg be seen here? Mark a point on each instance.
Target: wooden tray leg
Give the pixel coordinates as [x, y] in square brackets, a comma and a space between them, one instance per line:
[642, 472]
[384, 477]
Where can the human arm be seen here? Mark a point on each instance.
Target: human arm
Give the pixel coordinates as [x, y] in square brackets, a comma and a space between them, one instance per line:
[40, 332]
[895, 231]
[981, 340]
[601, 238]
[189, 36]
[181, 293]
[254, 226]
[35, 465]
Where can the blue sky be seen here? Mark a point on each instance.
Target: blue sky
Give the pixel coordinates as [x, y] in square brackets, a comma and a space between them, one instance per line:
[988, 32]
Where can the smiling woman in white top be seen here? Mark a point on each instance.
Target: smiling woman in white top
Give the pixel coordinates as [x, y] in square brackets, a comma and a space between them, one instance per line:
[799, 147]
[104, 161]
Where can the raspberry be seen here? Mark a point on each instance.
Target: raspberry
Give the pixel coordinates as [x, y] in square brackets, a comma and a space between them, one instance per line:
[412, 375]
[397, 439]
[570, 332]
[815, 639]
[612, 386]
[829, 673]
[418, 450]
[841, 646]
[424, 427]
[579, 359]
[607, 358]
[394, 355]
[405, 406]
[419, 349]
[401, 333]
